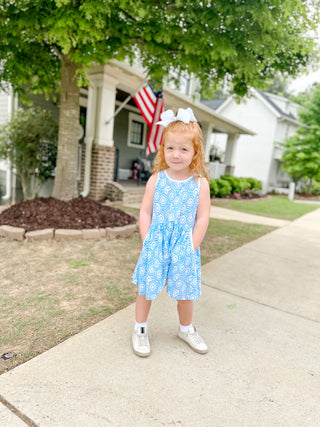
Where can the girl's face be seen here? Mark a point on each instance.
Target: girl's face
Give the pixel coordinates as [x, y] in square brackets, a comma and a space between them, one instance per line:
[178, 153]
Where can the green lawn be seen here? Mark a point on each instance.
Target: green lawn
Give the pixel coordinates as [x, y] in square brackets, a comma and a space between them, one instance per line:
[275, 207]
[85, 282]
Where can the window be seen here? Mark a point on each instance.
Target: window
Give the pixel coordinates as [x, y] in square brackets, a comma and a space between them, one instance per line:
[137, 131]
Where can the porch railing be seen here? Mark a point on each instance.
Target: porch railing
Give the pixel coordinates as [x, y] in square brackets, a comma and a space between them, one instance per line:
[216, 170]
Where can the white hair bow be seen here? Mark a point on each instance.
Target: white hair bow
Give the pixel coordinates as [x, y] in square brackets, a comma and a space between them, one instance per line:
[184, 114]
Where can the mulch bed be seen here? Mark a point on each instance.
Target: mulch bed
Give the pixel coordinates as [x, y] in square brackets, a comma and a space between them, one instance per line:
[78, 214]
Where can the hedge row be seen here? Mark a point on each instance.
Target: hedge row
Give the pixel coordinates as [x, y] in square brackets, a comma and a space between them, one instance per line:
[230, 185]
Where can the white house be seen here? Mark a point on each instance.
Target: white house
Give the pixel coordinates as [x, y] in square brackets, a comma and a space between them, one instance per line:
[110, 145]
[273, 118]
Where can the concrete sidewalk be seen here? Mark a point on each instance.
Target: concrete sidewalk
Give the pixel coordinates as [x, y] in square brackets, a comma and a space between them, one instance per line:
[230, 214]
[233, 215]
[259, 314]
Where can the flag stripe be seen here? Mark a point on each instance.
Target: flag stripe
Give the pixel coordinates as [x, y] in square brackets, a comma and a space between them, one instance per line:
[148, 103]
[150, 98]
[144, 111]
[155, 133]
[146, 100]
[151, 106]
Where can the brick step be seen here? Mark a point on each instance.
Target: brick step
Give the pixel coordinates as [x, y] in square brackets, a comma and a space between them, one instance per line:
[133, 196]
[116, 192]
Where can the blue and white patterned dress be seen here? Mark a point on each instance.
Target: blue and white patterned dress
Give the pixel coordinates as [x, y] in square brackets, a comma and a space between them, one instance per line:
[168, 253]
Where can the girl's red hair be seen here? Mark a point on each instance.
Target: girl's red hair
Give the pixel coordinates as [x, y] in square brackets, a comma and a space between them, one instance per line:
[193, 131]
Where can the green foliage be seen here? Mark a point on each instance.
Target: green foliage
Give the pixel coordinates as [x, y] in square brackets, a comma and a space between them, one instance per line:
[301, 156]
[316, 188]
[29, 141]
[254, 184]
[239, 42]
[242, 42]
[278, 85]
[220, 188]
[239, 185]
[228, 184]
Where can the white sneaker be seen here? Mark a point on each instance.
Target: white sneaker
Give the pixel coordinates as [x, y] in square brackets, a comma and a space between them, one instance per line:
[194, 340]
[140, 342]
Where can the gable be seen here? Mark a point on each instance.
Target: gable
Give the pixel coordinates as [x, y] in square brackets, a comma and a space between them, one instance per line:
[249, 113]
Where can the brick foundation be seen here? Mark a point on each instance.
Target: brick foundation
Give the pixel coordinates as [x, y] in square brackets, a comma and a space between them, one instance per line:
[102, 170]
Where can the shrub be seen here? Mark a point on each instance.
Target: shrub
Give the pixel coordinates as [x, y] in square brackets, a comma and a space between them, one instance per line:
[29, 141]
[233, 181]
[228, 184]
[220, 188]
[243, 185]
[254, 184]
[316, 188]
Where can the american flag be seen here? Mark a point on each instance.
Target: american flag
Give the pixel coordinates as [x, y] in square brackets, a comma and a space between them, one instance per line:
[151, 105]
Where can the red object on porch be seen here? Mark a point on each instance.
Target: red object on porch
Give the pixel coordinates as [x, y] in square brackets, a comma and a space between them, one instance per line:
[151, 105]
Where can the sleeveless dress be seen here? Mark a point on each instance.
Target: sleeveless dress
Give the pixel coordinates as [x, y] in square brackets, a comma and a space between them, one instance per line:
[168, 254]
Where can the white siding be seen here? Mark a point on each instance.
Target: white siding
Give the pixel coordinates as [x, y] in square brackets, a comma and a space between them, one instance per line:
[4, 107]
[281, 131]
[253, 153]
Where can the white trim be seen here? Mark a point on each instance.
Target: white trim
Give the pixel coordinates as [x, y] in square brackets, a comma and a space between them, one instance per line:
[267, 104]
[256, 95]
[220, 109]
[140, 119]
[128, 75]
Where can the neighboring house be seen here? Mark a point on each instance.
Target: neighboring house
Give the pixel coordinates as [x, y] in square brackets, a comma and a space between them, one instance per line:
[111, 145]
[273, 118]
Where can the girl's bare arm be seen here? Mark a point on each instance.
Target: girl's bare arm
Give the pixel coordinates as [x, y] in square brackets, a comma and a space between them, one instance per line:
[145, 216]
[203, 214]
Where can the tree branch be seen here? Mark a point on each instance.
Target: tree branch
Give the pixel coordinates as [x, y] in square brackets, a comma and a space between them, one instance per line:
[57, 52]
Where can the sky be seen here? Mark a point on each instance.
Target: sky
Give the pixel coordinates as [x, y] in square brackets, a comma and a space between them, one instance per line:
[305, 82]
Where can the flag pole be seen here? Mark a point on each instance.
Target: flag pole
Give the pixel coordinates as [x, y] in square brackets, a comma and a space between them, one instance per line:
[125, 102]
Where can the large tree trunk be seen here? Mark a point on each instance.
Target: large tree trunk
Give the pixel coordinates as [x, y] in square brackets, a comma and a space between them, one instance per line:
[65, 183]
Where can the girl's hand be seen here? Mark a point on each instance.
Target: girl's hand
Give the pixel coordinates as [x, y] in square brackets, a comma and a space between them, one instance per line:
[145, 216]
[203, 214]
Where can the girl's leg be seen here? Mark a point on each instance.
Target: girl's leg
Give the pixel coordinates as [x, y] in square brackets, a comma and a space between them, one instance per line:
[140, 339]
[142, 308]
[190, 335]
[185, 311]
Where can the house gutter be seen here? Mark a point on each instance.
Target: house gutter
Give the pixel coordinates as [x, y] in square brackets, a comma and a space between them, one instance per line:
[12, 106]
[7, 196]
[87, 167]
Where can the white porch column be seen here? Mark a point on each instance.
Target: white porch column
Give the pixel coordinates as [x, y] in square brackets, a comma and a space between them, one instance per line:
[91, 111]
[105, 106]
[231, 152]
[207, 139]
[100, 149]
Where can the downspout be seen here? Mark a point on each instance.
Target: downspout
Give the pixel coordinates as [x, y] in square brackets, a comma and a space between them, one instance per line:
[90, 133]
[12, 106]
[7, 196]
[87, 167]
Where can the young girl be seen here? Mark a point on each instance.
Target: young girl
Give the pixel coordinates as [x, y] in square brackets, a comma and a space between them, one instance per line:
[174, 217]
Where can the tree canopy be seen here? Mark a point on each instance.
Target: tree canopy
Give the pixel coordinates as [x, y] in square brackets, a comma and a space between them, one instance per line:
[301, 157]
[243, 42]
